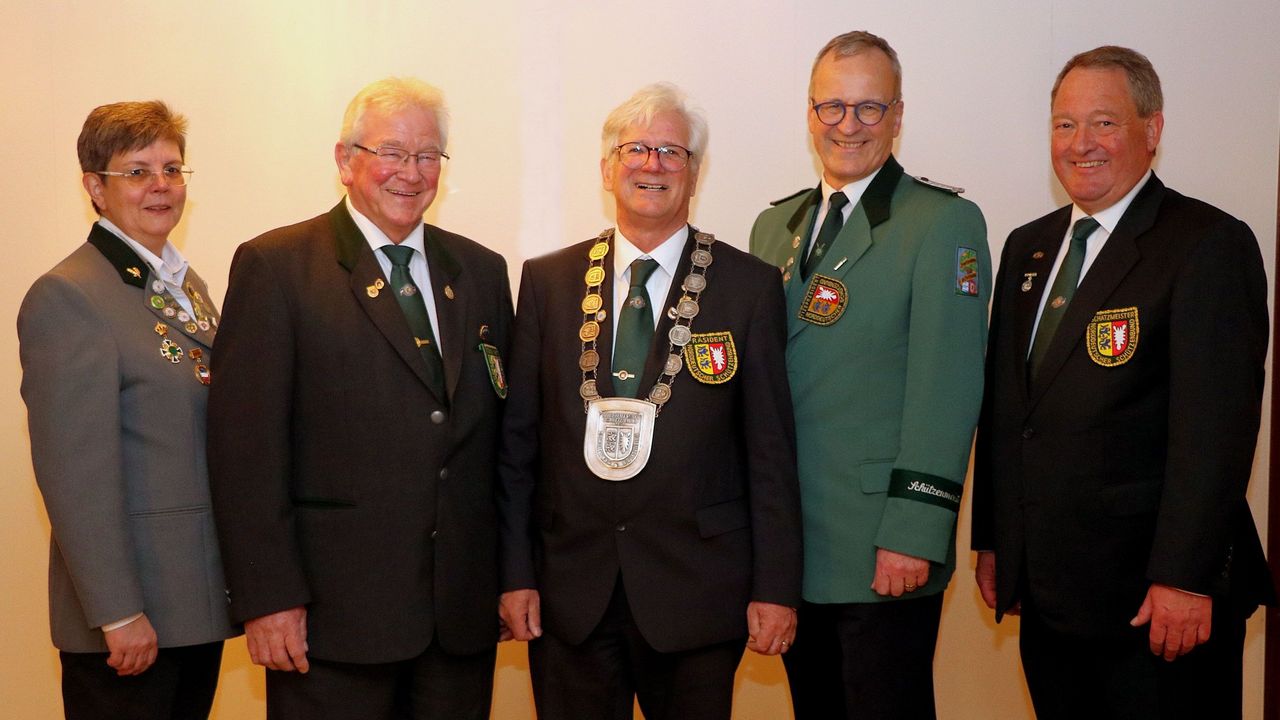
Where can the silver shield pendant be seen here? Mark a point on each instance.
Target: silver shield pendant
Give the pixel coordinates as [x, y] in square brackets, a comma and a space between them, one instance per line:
[619, 436]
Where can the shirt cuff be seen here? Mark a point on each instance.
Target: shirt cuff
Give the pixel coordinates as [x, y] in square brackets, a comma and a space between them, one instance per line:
[120, 623]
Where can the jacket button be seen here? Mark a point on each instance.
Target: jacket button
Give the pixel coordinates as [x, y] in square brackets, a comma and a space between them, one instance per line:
[1028, 433]
[434, 534]
[622, 527]
[444, 473]
[437, 416]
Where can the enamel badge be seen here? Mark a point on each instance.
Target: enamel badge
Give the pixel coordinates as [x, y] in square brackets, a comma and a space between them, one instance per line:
[493, 362]
[825, 301]
[966, 271]
[1112, 336]
[711, 357]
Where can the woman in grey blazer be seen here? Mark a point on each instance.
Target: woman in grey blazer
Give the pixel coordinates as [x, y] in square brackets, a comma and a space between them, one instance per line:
[115, 348]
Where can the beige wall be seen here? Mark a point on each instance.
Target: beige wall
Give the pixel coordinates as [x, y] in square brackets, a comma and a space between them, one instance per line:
[264, 84]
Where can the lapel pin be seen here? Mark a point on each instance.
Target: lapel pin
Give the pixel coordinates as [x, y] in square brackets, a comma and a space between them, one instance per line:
[1026, 284]
[448, 291]
[372, 291]
[795, 242]
[134, 272]
[1037, 255]
[840, 264]
[484, 332]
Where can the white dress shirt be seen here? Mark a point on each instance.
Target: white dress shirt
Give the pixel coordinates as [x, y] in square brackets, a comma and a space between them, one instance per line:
[853, 191]
[1107, 221]
[418, 269]
[170, 268]
[659, 284]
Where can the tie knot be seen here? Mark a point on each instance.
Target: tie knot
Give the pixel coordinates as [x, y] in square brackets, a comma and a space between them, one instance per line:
[1083, 228]
[398, 254]
[641, 269]
[837, 201]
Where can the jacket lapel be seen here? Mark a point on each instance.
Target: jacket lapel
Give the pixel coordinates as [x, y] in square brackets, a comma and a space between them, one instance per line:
[1033, 270]
[379, 304]
[138, 273]
[661, 343]
[1117, 258]
[854, 240]
[604, 341]
[451, 307]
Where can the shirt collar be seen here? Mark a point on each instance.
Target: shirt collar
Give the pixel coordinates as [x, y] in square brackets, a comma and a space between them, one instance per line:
[1110, 217]
[667, 254]
[170, 266]
[377, 239]
[853, 190]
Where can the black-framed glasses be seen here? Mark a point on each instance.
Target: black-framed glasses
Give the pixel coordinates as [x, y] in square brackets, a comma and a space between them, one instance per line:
[671, 157]
[399, 156]
[868, 112]
[175, 175]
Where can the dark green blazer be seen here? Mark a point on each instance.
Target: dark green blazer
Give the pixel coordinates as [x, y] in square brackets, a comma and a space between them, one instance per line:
[887, 393]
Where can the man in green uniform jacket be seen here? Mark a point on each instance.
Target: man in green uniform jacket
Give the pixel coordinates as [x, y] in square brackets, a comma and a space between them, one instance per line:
[887, 299]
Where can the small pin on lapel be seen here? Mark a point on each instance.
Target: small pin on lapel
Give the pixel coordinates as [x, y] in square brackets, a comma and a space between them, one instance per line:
[448, 291]
[1026, 283]
[840, 264]
[134, 272]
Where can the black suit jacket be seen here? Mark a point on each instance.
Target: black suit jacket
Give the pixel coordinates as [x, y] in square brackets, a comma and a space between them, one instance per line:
[1092, 480]
[340, 481]
[711, 523]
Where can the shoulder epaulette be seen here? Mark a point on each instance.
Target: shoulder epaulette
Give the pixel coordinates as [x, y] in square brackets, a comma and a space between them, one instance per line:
[792, 196]
[941, 186]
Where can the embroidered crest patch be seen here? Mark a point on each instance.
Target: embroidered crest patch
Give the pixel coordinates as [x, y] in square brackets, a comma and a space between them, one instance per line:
[1112, 336]
[966, 271]
[711, 357]
[824, 301]
[493, 362]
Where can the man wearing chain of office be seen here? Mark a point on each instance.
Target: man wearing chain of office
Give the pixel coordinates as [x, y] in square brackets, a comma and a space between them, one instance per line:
[648, 497]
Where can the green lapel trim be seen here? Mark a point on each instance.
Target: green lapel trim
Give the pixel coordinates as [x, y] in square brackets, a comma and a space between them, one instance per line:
[120, 255]
[805, 212]
[879, 194]
[439, 259]
[347, 238]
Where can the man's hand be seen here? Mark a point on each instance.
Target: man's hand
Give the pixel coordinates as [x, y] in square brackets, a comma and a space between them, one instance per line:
[771, 628]
[133, 647]
[897, 573]
[985, 576]
[1179, 620]
[279, 641]
[521, 612]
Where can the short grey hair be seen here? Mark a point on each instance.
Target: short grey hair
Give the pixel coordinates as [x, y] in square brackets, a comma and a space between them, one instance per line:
[648, 102]
[1144, 83]
[390, 95]
[853, 43]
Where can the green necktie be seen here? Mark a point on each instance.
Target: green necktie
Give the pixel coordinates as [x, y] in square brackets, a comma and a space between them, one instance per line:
[415, 311]
[635, 330]
[1064, 286]
[831, 225]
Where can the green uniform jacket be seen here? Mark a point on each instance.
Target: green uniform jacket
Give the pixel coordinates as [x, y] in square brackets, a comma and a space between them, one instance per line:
[886, 389]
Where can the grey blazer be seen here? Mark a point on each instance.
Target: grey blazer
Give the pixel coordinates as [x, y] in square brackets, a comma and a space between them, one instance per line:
[114, 375]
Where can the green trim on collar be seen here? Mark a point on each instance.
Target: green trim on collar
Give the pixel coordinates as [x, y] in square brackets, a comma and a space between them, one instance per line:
[132, 269]
[879, 194]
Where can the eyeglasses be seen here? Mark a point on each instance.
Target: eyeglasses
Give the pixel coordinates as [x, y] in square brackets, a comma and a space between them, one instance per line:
[868, 112]
[399, 156]
[175, 175]
[671, 157]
